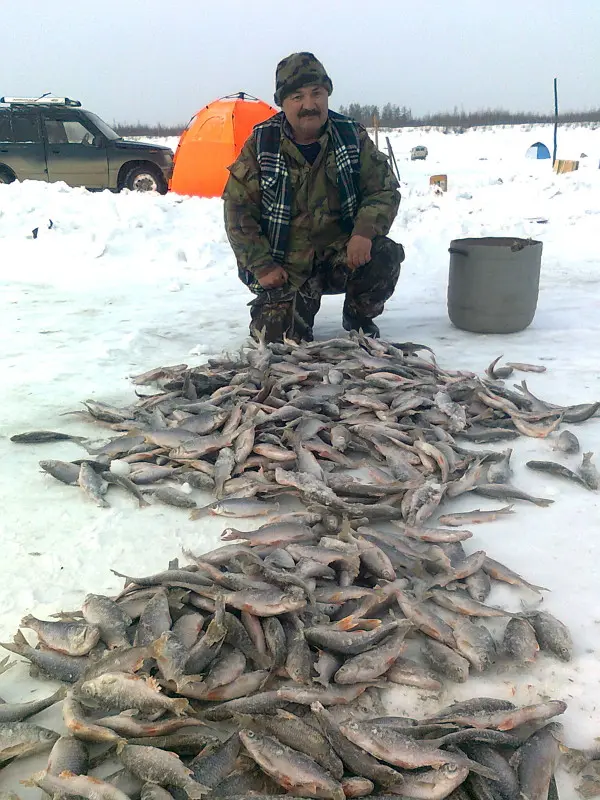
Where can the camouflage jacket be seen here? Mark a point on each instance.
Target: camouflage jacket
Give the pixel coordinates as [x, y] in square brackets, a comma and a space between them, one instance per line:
[316, 232]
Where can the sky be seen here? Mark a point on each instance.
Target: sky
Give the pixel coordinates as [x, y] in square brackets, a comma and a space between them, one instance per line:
[159, 62]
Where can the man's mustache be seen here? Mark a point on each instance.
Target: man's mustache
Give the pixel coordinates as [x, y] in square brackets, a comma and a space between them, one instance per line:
[309, 114]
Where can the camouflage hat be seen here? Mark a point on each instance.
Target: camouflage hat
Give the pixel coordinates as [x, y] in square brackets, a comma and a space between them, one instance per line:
[296, 71]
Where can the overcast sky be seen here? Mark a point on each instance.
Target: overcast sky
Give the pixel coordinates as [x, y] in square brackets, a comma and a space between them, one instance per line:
[154, 61]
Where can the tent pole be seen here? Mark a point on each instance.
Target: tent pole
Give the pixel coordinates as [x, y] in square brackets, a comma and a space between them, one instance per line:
[555, 121]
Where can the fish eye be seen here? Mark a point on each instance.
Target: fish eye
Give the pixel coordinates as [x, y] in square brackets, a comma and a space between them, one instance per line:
[250, 734]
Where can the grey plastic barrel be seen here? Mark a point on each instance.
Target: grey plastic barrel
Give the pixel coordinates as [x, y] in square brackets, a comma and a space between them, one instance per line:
[493, 283]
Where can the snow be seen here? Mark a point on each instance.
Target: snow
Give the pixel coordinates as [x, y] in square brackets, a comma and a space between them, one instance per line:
[122, 283]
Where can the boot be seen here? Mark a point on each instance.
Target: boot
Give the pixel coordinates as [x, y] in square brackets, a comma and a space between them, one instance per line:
[367, 326]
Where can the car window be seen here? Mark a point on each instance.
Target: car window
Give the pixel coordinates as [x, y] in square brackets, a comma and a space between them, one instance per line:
[68, 131]
[25, 129]
[102, 126]
[5, 129]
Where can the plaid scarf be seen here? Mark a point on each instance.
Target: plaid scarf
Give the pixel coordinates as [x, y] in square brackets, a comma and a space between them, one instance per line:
[275, 185]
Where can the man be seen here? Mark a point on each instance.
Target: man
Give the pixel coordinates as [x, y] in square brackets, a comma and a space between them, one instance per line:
[308, 204]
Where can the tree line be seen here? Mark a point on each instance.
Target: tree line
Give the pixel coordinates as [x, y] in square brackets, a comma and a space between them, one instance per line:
[395, 116]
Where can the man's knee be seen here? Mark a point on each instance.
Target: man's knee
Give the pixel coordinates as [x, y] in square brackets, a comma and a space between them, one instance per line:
[387, 251]
[275, 318]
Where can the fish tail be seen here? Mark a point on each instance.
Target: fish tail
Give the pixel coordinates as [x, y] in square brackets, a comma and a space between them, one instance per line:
[35, 779]
[198, 513]
[26, 621]
[543, 502]
[196, 790]
[485, 772]
[18, 645]
[5, 665]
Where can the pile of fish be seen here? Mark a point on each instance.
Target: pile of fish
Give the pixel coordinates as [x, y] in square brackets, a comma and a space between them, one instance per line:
[303, 419]
[257, 670]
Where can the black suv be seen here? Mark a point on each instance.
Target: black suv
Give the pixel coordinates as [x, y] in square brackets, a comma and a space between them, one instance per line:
[54, 139]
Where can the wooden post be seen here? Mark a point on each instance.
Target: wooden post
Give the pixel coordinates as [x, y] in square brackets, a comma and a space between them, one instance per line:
[376, 126]
[555, 121]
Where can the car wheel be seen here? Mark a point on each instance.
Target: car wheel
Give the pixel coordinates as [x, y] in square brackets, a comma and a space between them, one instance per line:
[144, 179]
[6, 177]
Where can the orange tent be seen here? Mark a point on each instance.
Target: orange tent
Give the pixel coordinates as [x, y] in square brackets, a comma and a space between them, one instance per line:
[212, 141]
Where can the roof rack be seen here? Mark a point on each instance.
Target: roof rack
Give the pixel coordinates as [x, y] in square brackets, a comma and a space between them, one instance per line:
[54, 101]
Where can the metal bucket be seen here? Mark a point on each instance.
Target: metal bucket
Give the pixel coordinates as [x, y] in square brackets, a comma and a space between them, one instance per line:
[493, 283]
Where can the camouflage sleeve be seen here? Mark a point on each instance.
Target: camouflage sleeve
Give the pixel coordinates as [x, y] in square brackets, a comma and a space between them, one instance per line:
[241, 198]
[379, 191]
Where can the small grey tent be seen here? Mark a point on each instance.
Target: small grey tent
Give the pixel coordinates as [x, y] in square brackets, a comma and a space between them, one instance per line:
[538, 150]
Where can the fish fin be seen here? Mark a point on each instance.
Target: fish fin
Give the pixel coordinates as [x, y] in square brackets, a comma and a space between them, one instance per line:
[153, 684]
[33, 780]
[180, 706]
[347, 623]
[26, 621]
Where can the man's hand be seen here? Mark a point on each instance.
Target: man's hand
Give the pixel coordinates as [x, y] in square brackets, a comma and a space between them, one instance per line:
[358, 251]
[271, 277]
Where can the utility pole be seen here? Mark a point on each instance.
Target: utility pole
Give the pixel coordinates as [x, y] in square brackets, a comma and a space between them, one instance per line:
[555, 121]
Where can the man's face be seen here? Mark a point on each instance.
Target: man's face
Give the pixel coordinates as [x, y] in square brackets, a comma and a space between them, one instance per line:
[306, 110]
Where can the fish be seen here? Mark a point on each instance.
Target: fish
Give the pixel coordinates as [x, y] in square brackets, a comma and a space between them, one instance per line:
[68, 754]
[291, 769]
[519, 641]
[445, 660]
[509, 719]
[376, 661]
[67, 783]
[475, 517]
[552, 635]
[215, 761]
[557, 469]
[567, 442]
[234, 507]
[20, 739]
[408, 673]
[17, 712]
[294, 732]
[121, 691]
[41, 437]
[348, 643]
[63, 471]
[92, 484]
[81, 727]
[500, 572]
[498, 373]
[474, 642]
[525, 367]
[504, 491]
[173, 497]
[70, 638]
[500, 471]
[111, 621]
[588, 472]
[161, 767]
[396, 748]
[536, 760]
[55, 665]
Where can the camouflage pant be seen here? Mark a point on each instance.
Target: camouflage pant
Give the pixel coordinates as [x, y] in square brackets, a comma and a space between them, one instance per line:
[290, 312]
